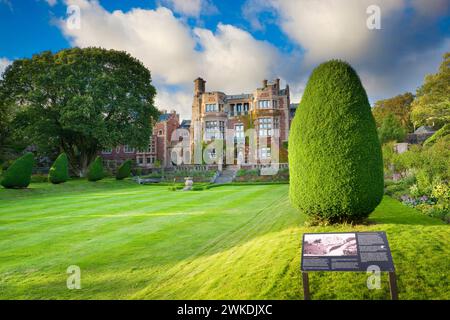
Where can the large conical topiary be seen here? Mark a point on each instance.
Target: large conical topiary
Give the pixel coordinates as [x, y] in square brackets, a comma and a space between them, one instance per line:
[59, 172]
[124, 170]
[19, 173]
[95, 171]
[336, 166]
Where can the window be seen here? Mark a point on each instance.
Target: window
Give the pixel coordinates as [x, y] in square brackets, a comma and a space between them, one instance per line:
[239, 131]
[264, 104]
[275, 103]
[160, 132]
[239, 108]
[128, 149]
[264, 153]
[140, 160]
[214, 130]
[246, 107]
[211, 107]
[265, 127]
[149, 160]
[118, 149]
[107, 151]
[276, 123]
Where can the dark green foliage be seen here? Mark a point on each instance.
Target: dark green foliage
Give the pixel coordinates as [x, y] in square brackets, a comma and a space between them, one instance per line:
[95, 171]
[19, 173]
[391, 130]
[124, 170]
[79, 101]
[336, 166]
[59, 172]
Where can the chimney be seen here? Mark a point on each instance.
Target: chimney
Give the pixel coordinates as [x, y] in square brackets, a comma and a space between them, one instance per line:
[199, 86]
[264, 83]
[277, 81]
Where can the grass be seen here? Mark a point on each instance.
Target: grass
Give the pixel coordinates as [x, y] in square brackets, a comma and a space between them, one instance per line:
[236, 242]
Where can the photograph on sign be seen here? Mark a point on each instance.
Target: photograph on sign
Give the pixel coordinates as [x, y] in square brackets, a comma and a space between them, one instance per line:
[333, 244]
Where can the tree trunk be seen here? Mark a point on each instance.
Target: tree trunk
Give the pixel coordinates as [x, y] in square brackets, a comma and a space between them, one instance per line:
[80, 157]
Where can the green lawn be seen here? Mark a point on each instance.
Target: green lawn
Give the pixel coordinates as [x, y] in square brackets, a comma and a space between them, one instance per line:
[231, 242]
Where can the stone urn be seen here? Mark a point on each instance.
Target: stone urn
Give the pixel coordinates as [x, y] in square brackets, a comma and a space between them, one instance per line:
[189, 182]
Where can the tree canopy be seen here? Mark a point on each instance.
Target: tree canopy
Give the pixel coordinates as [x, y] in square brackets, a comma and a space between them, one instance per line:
[399, 106]
[432, 103]
[391, 130]
[80, 101]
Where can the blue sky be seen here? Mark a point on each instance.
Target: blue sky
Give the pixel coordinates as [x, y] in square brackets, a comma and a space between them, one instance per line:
[235, 44]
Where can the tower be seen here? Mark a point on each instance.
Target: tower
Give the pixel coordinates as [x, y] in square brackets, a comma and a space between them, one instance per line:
[199, 90]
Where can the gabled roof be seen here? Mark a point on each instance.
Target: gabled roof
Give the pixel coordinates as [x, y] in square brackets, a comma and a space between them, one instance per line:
[424, 129]
[185, 124]
[164, 117]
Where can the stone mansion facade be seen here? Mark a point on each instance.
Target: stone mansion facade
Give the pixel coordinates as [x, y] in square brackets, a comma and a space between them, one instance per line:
[265, 111]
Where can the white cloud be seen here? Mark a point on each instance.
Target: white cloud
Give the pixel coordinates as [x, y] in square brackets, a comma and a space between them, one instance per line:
[162, 42]
[191, 8]
[233, 61]
[180, 100]
[390, 61]
[328, 28]
[230, 59]
[51, 3]
[4, 62]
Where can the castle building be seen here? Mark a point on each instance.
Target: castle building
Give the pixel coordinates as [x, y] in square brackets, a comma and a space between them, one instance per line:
[266, 109]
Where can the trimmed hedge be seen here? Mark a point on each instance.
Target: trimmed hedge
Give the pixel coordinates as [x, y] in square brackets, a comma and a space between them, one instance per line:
[19, 173]
[336, 165]
[95, 171]
[124, 170]
[59, 172]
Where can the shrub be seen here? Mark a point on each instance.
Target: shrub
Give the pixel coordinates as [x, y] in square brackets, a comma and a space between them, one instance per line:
[95, 171]
[124, 170]
[59, 172]
[247, 172]
[424, 182]
[39, 178]
[19, 173]
[336, 166]
[441, 191]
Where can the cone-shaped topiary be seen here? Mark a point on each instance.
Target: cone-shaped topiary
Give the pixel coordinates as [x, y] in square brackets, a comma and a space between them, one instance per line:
[124, 170]
[336, 166]
[19, 173]
[95, 171]
[59, 172]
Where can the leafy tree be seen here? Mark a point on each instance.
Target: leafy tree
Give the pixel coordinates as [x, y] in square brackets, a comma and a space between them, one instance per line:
[442, 132]
[391, 130]
[81, 101]
[96, 171]
[432, 104]
[124, 170]
[59, 172]
[399, 106]
[336, 165]
[19, 173]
